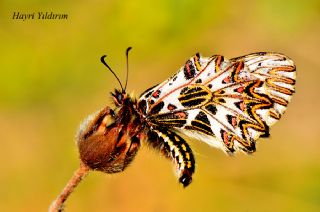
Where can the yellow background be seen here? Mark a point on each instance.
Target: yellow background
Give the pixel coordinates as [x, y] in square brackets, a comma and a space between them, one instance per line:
[51, 78]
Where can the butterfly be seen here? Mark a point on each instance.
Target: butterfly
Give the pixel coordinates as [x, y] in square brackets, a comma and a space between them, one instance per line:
[228, 104]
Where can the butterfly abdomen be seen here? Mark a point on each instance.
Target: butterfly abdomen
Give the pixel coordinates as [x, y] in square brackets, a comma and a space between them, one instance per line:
[175, 147]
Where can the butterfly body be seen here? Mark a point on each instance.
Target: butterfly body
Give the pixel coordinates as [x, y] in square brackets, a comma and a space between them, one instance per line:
[228, 104]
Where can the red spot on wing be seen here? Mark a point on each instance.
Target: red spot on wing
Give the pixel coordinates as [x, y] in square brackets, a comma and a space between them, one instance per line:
[240, 89]
[171, 107]
[234, 121]
[181, 115]
[225, 138]
[242, 106]
[188, 69]
[156, 94]
[227, 79]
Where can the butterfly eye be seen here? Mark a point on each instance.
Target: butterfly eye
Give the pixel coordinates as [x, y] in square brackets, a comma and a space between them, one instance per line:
[118, 97]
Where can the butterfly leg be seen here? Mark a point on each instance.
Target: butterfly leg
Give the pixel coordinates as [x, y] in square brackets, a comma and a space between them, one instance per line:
[176, 148]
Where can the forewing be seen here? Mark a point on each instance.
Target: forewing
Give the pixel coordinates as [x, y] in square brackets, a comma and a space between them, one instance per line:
[228, 104]
[164, 97]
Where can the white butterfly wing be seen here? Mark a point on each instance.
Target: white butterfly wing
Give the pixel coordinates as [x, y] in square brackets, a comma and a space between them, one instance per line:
[227, 103]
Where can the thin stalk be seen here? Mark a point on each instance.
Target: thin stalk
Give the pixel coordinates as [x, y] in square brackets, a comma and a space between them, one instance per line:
[57, 205]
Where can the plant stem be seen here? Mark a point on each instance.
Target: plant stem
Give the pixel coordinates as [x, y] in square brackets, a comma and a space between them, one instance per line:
[57, 205]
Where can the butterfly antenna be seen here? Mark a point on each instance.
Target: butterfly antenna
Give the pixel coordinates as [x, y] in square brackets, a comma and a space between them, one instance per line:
[104, 63]
[127, 53]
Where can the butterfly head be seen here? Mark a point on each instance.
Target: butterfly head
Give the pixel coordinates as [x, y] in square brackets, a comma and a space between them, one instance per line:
[119, 97]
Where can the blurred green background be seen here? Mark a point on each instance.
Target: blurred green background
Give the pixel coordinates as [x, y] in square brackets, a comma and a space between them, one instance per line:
[51, 78]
